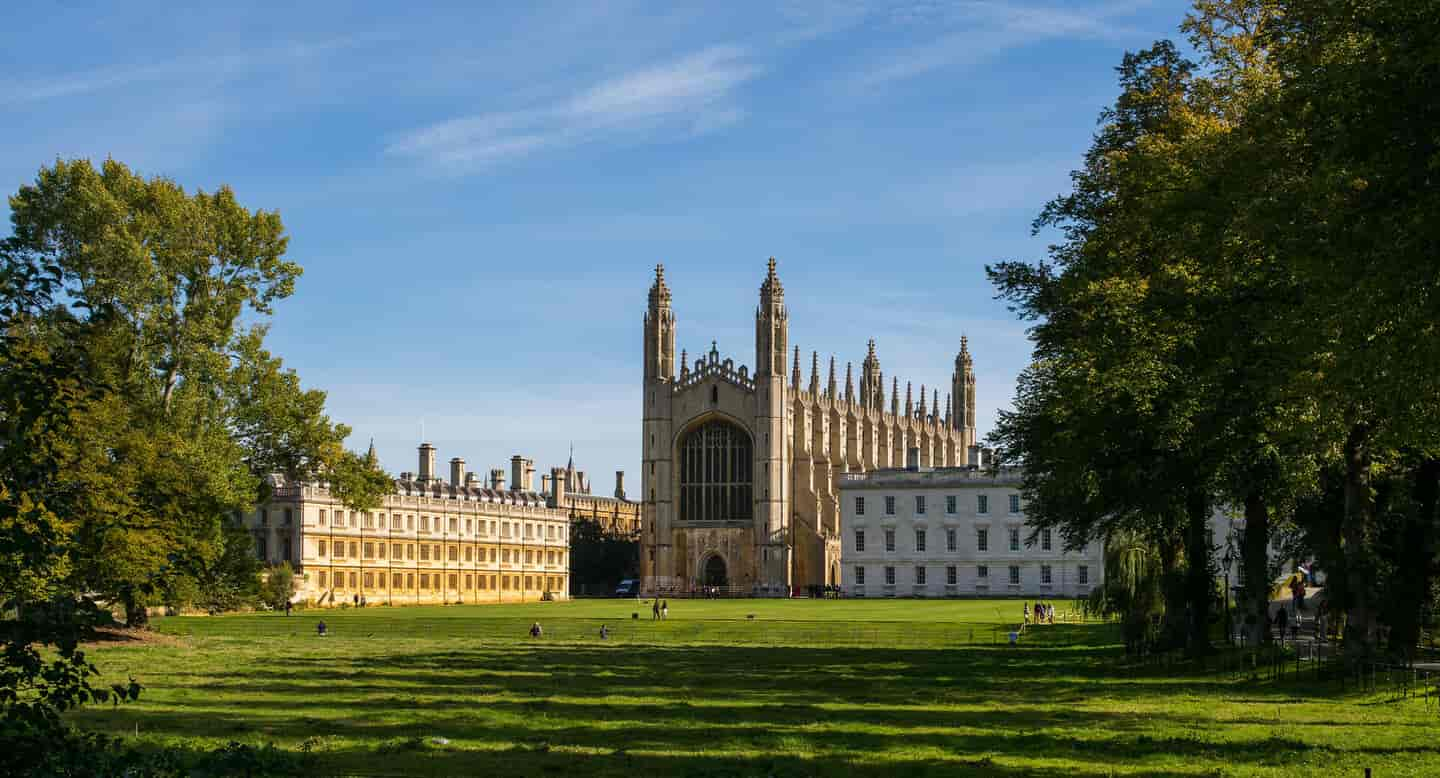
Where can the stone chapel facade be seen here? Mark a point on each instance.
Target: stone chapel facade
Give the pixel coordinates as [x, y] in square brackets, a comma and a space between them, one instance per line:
[741, 472]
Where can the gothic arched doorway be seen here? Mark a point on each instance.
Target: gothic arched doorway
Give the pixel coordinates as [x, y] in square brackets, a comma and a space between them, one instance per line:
[715, 571]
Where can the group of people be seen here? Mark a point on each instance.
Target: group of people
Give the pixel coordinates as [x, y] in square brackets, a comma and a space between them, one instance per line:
[660, 609]
[1044, 613]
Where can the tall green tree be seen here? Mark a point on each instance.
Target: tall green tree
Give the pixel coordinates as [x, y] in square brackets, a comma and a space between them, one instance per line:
[198, 411]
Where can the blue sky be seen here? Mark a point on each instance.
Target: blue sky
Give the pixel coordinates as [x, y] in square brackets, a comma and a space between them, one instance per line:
[479, 194]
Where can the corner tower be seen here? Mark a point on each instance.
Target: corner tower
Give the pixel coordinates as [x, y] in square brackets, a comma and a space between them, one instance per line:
[962, 388]
[772, 448]
[656, 466]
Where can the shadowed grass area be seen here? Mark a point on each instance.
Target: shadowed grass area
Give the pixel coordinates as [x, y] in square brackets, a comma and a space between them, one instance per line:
[805, 688]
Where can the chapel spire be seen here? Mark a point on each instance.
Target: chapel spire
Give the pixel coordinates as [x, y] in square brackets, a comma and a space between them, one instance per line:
[772, 327]
[815, 373]
[659, 331]
[795, 371]
[872, 380]
[963, 389]
[830, 384]
[849, 385]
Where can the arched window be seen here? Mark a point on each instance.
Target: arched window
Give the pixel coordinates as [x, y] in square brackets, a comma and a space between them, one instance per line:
[716, 473]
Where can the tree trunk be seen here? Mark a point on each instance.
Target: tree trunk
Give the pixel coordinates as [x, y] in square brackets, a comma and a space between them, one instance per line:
[1255, 558]
[1172, 590]
[1199, 578]
[1417, 562]
[135, 613]
[1356, 547]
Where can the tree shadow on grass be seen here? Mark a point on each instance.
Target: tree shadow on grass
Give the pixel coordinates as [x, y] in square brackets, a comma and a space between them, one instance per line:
[528, 708]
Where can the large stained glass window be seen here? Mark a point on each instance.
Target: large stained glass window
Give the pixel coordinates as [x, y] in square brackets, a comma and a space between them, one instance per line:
[716, 473]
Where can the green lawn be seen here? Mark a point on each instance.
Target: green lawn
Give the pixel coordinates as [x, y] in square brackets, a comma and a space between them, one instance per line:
[880, 688]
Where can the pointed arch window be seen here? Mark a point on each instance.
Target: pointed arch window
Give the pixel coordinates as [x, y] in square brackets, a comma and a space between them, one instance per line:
[716, 473]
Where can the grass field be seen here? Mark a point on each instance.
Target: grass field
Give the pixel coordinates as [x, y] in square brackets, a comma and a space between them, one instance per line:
[881, 688]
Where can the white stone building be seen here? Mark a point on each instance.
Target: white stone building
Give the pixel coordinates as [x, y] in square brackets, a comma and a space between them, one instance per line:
[952, 532]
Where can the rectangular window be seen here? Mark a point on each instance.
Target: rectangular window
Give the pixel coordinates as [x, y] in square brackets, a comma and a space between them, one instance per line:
[469, 554]
[369, 550]
[919, 576]
[859, 506]
[425, 552]
[454, 527]
[469, 528]
[982, 503]
[919, 540]
[1014, 575]
[1014, 538]
[424, 525]
[369, 580]
[1045, 574]
[1044, 540]
[889, 576]
[1082, 574]
[339, 550]
[424, 580]
[322, 517]
[890, 540]
[354, 581]
[410, 551]
[260, 549]
[452, 581]
[859, 540]
[982, 539]
[889, 505]
[454, 554]
[1014, 503]
[950, 540]
[396, 522]
[920, 504]
[952, 576]
[950, 503]
[859, 575]
[382, 550]
[322, 579]
[982, 572]
[322, 549]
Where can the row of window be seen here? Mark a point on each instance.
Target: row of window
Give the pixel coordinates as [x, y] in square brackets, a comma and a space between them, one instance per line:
[982, 539]
[376, 521]
[982, 504]
[428, 552]
[982, 573]
[453, 582]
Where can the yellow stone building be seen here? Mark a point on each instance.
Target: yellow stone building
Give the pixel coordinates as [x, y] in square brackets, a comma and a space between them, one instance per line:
[431, 541]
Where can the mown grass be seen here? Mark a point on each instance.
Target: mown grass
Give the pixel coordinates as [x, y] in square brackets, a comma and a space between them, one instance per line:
[805, 688]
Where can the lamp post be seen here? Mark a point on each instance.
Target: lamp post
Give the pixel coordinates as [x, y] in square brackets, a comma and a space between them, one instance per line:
[1228, 559]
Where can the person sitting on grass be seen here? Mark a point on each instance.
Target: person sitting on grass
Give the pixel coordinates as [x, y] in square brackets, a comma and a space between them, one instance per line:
[604, 632]
[535, 630]
[320, 629]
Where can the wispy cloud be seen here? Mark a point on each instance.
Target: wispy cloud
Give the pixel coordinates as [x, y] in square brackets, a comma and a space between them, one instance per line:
[971, 33]
[692, 94]
[111, 77]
